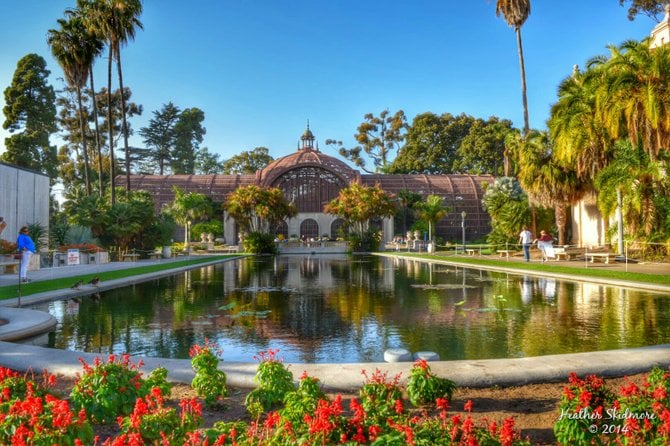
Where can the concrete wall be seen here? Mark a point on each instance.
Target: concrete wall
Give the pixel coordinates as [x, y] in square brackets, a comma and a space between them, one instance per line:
[24, 199]
[589, 226]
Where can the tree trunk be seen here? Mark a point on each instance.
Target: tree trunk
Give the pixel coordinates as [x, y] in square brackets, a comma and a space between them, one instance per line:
[526, 123]
[94, 103]
[82, 127]
[110, 128]
[560, 214]
[124, 125]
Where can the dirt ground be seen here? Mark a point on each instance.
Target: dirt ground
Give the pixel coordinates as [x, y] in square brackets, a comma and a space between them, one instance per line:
[533, 406]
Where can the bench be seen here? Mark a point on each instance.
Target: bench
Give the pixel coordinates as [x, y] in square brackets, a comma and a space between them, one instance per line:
[470, 252]
[9, 266]
[606, 257]
[155, 255]
[568, 253]
[130, 257]
[504, 252]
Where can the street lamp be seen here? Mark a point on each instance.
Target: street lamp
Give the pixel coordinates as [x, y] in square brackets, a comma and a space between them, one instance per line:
[463, 214]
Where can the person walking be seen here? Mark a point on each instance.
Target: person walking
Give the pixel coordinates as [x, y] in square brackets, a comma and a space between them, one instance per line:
[525, 240]
[545, 244]
[26, 248]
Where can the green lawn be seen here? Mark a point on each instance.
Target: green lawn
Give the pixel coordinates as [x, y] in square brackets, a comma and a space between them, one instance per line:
[10, 291]
[552, 267]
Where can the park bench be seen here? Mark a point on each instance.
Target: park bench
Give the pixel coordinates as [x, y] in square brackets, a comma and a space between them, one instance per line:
[9, 266]
[568, 252]
[470, 252]
[605, 257]
[130, 257]
[504, 252]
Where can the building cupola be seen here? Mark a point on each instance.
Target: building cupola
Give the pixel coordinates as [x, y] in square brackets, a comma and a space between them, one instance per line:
[307, 139]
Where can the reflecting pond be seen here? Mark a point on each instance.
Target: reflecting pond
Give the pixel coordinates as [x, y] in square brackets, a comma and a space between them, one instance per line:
[339, 309]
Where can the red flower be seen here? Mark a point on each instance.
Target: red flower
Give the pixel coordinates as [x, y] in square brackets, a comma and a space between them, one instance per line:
[468, 406]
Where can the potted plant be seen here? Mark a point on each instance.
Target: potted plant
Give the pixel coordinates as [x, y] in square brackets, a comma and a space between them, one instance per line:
[165, 226]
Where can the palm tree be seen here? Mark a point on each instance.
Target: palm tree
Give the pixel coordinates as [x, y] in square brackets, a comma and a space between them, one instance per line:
[635, 92]
[115, 21]
[92, 47]
[69, 47]
[579, 135]
[432, 211]
[545, 180]
[515, 13]
[641, 182]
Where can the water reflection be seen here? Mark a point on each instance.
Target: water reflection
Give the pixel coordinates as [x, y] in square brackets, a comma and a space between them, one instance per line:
[333, 309]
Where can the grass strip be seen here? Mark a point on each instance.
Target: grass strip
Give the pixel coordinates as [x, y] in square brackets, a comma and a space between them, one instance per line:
[11, 291]
[656, 279]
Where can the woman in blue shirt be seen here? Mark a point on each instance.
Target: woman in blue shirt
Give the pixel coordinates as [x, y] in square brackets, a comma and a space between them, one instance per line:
[26, 248]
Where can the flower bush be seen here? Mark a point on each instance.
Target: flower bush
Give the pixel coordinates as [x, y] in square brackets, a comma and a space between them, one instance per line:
[592, 414]
[152, 422]
[423, 387]
[7, 247]
[29, 414]
[274, 382]
[209, 382]
[109, 389]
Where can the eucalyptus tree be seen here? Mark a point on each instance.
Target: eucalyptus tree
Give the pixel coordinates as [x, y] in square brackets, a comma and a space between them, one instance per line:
[378, 137]
[30, 115]
[432, 211]
[70, 48]
[651, 8]
[515, 13]
[116, 21]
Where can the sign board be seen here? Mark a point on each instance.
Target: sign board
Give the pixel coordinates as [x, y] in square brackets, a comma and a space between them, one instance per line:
[73, 257]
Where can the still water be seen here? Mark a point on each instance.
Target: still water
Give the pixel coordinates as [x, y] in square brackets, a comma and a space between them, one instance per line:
[336, 309]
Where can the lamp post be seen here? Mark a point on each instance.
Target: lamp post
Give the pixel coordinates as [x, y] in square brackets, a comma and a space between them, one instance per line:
[463, 214]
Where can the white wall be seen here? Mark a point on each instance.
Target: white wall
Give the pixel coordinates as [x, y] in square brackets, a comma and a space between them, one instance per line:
[24, 199]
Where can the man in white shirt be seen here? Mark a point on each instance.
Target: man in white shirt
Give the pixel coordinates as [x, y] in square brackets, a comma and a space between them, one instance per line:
[525, 239]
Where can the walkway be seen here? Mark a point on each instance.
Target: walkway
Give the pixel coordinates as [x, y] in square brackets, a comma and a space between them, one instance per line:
[471, 373]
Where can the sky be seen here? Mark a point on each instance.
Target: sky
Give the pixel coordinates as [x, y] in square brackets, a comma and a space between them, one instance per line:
[261, 69]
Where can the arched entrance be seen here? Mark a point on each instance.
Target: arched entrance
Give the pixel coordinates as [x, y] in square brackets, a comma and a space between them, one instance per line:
[309, 228]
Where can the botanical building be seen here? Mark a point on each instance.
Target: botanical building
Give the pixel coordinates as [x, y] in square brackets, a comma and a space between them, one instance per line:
[310, 179]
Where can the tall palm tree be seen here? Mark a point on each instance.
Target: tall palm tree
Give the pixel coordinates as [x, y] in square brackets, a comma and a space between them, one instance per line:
[69, 47]
[515, 13]
[116, 21]
[92, 47]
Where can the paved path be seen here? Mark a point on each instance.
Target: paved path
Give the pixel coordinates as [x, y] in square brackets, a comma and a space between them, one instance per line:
[473, 373]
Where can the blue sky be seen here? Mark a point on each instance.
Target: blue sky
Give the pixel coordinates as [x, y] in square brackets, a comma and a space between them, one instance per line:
[260, 69]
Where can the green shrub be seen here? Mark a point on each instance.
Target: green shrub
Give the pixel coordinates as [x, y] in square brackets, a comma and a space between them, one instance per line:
[423, 387]
[260, 243]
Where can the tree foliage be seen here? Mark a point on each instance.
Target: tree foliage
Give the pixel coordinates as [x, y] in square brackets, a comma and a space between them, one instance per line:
[256, 209]
[159, 136]
[507, 204]
[432, 211]
[358, 204]
[651, 8]
[30, 115]
[247, 162]
[189, 134]
[378, 137]
[444, 144]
